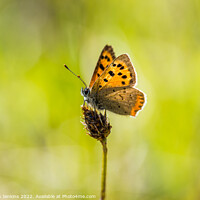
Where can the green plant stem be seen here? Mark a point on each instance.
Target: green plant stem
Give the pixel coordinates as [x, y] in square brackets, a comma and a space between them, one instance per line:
[104, 169]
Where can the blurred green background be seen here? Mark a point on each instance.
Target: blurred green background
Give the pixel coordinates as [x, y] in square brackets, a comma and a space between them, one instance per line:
[44, 148]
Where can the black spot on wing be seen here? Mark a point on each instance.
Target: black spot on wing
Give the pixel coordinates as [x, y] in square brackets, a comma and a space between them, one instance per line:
[124, 76]
[119, 73]
[121, 96]
[111, 73]
[123, 83]
[121, 67]
[101, 66]
[105, 80]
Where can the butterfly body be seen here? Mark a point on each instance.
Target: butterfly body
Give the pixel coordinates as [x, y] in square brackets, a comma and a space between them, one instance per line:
[112, 85]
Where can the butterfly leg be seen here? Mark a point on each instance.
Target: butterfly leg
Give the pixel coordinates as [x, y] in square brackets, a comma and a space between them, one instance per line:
[95, 112]
[105, 113]
[97, 115]
[100, 118]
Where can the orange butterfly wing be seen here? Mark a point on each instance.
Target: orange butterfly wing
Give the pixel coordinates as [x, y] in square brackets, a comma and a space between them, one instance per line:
[106, 58]
[140, 100]
[120, 73]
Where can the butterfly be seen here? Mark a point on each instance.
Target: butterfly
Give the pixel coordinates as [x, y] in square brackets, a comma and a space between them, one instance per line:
[112, 85]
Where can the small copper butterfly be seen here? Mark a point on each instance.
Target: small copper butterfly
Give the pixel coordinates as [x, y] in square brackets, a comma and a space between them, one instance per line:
[112, 85]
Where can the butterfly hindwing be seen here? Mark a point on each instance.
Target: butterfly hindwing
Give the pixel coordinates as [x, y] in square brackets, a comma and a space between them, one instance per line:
[106, 58]
[119, 74]
[121, 100]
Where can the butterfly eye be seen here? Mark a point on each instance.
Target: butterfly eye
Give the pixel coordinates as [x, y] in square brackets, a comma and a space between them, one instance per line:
[86, 91]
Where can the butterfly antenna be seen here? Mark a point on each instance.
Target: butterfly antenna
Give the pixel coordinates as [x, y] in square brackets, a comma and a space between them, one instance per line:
[76, 75]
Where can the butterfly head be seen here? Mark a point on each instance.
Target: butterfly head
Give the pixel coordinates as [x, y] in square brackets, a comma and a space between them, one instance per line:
[85, 93]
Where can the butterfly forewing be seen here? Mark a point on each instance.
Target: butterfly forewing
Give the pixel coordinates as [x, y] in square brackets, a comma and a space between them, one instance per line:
[119, 74]
[106, 58]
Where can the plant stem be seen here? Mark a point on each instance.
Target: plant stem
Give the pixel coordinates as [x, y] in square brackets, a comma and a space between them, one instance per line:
[104, 169]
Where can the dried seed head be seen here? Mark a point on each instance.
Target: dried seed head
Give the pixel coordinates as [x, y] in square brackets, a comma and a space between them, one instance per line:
[97, 125]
